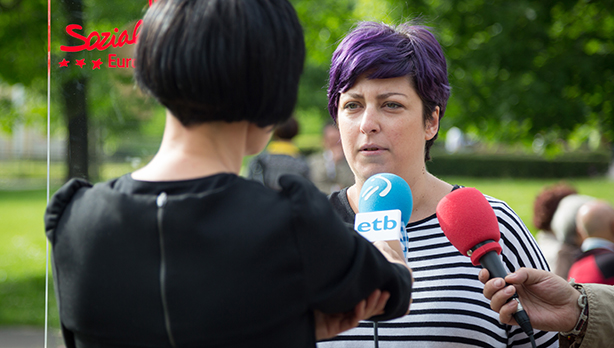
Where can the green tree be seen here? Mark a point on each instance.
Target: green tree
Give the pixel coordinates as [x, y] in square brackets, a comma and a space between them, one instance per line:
[521, 69]
[23, 57]
[89, 102]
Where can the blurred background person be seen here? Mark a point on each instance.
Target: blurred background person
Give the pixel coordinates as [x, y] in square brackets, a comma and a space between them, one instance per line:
[544, 207]
[564, 227]
[329, 169]
[280, 157]
[595, 221]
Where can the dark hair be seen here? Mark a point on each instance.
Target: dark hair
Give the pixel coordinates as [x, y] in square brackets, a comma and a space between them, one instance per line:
[546, 203]
[382, 51]
[222, 60]
[287, 130]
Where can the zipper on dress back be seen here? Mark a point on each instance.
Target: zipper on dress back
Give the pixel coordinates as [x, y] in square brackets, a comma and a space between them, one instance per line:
[161, 203]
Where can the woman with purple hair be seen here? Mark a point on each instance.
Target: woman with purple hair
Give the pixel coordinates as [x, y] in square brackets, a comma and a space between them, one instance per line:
[387, 92]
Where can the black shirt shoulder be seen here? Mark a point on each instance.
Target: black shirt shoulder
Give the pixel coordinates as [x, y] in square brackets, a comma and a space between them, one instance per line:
[341, 205]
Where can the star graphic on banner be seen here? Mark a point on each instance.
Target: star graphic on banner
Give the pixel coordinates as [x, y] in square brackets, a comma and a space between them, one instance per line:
[97, 64]
[64, 63]
[80, 62]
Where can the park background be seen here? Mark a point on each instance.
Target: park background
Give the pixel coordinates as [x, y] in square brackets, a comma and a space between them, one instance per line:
[532, 92]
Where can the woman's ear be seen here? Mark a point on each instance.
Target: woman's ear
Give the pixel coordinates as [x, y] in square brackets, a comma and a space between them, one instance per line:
[432, 125]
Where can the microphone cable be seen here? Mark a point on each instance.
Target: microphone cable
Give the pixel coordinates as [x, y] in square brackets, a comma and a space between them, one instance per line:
[375, 334]
[522, 318]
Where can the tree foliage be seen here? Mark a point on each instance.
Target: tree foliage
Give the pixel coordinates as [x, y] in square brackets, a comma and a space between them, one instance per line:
[23, 52]
[527, 69]
[531, 72]
[524, 71]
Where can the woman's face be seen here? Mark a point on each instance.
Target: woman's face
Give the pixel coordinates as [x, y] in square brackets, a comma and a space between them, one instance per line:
[382, 129]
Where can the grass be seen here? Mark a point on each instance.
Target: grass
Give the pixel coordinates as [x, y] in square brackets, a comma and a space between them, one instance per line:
[23, 244]
[520, 193]
[22, 259]
[32, 174]
[30, 169]
[22, 239]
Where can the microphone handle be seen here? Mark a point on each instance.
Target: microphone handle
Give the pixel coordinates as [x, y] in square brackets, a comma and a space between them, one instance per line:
[493, 264]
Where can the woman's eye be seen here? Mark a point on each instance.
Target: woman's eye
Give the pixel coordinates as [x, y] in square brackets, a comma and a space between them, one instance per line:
[392, 105]
[350, 105]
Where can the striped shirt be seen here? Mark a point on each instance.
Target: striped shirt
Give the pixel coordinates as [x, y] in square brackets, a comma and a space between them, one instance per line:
[448, 308]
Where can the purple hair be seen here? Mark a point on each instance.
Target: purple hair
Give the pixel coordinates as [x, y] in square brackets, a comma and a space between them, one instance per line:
[384, 51]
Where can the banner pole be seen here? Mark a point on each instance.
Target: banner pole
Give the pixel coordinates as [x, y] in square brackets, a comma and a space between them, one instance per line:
[48, 164]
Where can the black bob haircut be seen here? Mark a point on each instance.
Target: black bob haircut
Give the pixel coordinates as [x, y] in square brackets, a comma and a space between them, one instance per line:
[222, 60]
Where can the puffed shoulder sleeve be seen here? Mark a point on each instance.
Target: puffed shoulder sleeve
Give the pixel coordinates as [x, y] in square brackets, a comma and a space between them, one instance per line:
[341, 267]
[58, 204]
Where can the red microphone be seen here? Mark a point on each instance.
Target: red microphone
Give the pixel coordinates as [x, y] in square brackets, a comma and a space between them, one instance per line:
[467, 219]
[470, 223]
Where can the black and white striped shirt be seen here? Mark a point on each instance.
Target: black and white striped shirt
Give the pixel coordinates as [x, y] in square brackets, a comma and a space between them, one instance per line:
[448, 308]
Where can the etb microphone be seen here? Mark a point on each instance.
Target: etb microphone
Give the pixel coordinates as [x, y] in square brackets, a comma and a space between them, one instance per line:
[384, 208]
[470, 223]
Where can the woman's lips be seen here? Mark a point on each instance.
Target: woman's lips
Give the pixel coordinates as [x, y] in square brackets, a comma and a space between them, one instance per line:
[371, 149]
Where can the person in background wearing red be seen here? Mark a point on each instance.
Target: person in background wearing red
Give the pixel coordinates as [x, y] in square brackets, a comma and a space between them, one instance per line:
[595, 221]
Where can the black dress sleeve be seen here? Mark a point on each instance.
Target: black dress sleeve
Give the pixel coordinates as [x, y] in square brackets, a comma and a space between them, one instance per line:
[341, 268]
[56, 207]
[58, 204]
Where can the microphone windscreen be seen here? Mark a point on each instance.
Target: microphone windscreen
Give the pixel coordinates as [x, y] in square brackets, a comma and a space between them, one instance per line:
[386, 191]
[467, 219]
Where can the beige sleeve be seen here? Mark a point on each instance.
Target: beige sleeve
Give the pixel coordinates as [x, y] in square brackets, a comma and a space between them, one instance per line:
[600, 330]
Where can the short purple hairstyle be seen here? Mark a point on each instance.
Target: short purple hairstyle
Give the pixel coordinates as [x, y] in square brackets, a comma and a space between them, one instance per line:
[383, 51]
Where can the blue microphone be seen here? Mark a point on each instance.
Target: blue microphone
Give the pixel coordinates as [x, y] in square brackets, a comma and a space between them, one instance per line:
[384, 208]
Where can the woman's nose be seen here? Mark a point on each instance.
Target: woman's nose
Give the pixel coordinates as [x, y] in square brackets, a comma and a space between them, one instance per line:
[370, 121]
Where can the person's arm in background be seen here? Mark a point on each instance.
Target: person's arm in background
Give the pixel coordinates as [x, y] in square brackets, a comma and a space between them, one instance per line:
[552, 305]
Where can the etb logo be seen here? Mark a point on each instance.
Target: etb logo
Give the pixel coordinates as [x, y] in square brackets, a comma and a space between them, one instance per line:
[379, 225]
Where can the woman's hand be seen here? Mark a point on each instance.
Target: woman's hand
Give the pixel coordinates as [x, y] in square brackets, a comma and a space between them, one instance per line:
[392, 250]
[330, 325]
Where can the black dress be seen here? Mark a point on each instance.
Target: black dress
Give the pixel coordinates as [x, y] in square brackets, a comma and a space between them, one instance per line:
[219, 261]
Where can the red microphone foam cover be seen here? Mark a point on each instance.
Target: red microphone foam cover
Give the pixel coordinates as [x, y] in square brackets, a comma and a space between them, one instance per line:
[467, 219]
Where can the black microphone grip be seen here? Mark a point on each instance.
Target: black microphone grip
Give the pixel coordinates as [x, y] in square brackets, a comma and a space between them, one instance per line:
[493, 264]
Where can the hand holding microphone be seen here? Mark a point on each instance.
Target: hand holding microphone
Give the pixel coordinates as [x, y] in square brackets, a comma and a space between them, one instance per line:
[469, 222]
[384, 206]
[392, 250]
[548, 298]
